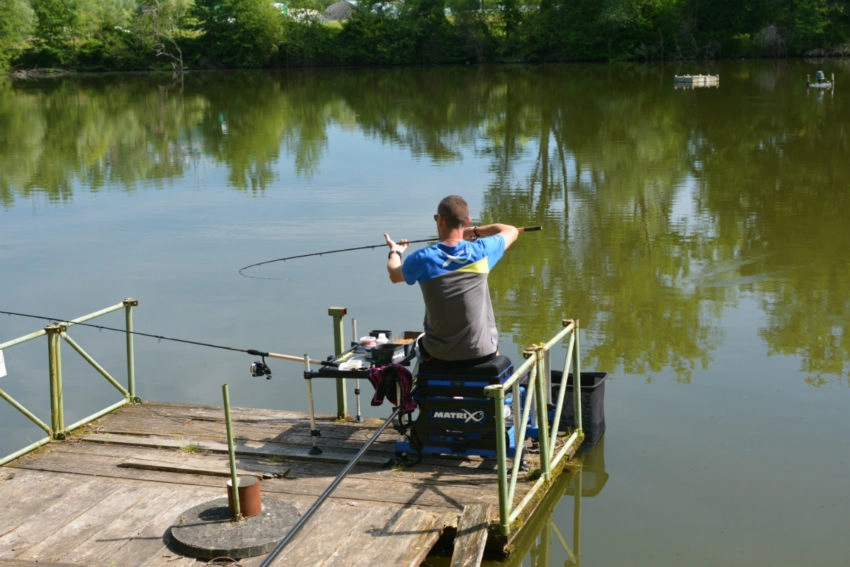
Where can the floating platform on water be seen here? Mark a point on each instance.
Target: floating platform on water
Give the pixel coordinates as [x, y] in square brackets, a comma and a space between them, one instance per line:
[694, 81]
[820, 82]
[111, 492]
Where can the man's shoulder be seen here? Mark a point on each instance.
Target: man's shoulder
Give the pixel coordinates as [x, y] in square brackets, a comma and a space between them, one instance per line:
[492, 243]
[424, 253]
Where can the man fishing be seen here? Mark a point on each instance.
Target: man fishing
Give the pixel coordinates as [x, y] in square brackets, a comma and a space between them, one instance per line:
[460, 328]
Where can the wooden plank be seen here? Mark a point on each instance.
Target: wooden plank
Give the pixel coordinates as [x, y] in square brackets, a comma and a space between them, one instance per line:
[104, 503]
[432, 470]
[367, 485]
[28, 563]
[344, 520]
[30, 493]
[432, 487]
[364, 536]
[35, 527]
[204, 466]
[419, 531]
[242, 447]
[471, 535]
[250, 424]
[102, 547]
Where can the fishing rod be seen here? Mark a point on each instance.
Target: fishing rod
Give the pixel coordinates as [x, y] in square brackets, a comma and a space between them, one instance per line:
[367, 247]
[258, 369]
[241, 270]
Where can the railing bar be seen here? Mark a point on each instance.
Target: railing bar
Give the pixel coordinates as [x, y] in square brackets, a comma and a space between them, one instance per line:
[103, 311]
[579, 419]
[94, 364]
[24, 451]
[571, 327]
[497, 394]
[513, 378]
[96, 415]
[543, 418]
[538, 484]
[529, 398]
[23, 339]
[32, 417]
[562, 390]
[568, 444]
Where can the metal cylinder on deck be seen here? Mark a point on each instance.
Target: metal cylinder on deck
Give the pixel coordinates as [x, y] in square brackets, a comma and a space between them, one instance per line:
[250, 501]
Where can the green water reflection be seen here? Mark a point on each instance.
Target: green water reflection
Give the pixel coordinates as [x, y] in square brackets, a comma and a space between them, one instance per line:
[700, 235]
[660, 206]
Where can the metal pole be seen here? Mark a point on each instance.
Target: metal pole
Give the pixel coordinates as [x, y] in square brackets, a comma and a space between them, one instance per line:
[542, 410]
[231, 451]
[131, 360]
[54, 358]
[501, 455]
[577, 383]
[314, 432]
[341, 402]
[358, 417]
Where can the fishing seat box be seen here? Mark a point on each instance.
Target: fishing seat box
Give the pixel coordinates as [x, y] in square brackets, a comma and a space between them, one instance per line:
[455, 416]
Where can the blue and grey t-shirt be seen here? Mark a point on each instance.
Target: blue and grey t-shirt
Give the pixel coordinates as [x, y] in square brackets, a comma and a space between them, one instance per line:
[459, 320]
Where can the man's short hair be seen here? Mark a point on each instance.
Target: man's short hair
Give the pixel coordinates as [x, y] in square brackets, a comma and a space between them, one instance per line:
[455, 210]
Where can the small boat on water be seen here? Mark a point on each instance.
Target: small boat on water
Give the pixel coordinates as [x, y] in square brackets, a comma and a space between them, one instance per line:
[820, 81]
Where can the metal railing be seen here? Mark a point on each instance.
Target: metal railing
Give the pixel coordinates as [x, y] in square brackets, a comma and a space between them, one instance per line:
[57, 429]
[531, 409]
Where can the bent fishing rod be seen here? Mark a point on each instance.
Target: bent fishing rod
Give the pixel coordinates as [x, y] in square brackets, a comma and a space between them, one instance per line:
[340, 250]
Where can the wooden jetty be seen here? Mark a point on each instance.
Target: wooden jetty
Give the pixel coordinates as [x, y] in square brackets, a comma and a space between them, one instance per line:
[694, 81]
[109, 493]
[145, 483]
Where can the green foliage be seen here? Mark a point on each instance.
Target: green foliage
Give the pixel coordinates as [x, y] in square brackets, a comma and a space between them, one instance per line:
[239, 33]
[55, 21]
[308, 44]
[254, 33]
[17, 19]
[374, 37]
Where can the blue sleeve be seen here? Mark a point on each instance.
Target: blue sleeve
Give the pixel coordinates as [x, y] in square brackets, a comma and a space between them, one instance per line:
[494, 248]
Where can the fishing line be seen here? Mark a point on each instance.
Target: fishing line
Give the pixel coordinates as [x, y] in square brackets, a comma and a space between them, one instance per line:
[370, 246]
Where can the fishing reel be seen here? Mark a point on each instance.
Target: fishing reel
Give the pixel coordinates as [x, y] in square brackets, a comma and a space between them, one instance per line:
[260, 368]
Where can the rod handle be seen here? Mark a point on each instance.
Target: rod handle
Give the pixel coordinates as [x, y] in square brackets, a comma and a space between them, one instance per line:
[530, 228]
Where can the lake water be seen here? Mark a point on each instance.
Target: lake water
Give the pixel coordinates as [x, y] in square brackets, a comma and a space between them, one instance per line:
[700, 236]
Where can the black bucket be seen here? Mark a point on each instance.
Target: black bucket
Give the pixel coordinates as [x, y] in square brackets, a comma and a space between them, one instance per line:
[592, 403]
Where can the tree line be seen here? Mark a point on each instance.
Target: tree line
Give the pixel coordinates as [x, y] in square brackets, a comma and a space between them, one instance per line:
[132, 35]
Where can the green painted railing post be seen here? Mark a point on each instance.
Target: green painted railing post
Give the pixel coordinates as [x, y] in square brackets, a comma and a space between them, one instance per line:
[339, 347]
[542, 411]
[131, 362]
[231, 454]
[577, 382]
[501, 454]
[54, 358]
